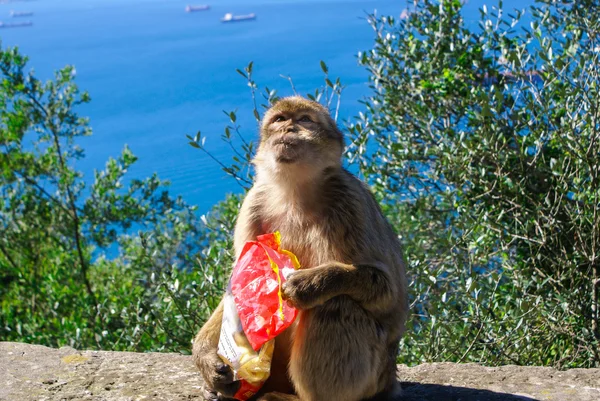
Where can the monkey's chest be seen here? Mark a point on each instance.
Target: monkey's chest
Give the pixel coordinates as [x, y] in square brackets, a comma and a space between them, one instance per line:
[308, 240]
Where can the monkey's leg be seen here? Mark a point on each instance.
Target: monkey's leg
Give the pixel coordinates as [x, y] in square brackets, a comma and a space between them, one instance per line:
[278, 397]
[340, 354]
[218, 377]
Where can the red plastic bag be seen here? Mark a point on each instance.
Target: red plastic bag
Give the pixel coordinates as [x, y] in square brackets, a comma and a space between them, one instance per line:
[256, 284]
[254, 312]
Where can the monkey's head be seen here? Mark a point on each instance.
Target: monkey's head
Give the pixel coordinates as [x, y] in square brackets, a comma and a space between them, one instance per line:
[297, 133]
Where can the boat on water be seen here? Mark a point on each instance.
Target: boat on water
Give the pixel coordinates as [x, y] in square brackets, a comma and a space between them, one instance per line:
[15, 24]
[229, 17]
[191, 9]
[15, 14]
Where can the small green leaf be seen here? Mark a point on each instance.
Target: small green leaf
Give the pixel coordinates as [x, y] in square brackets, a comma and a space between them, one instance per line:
[324, 67]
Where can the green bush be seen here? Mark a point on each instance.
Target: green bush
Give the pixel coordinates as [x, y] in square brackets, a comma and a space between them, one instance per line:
[166, 267]
[484, 145]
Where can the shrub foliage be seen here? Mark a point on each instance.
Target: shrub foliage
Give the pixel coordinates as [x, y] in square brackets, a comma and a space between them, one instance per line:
[117, 264]
[484, 145]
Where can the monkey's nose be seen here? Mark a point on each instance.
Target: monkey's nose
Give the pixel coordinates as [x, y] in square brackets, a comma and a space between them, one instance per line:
[291, 129]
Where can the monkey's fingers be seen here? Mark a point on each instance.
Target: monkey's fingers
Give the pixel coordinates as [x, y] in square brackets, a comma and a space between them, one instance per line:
[286, 296]
[223, 374]
[228, 389]
[298, 291]
[218, 376]
[284, 293]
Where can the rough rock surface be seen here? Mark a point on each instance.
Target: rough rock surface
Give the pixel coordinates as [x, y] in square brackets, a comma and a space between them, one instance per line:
[33, 372]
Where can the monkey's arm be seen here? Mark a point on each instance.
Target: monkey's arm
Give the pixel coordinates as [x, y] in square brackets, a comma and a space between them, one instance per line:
[217, 375]
[207, 338]
[369, 284]
[246, 228]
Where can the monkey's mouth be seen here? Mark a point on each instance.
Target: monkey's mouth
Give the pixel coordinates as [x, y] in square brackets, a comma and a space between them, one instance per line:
[287, 150]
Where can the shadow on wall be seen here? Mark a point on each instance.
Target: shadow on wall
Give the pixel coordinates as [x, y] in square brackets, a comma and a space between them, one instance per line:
[435, 392]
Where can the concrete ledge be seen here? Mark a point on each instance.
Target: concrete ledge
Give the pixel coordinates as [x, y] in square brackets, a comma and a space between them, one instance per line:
[33, 372]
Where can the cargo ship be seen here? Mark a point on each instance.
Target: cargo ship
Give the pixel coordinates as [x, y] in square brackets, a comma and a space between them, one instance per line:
[229, 17]
[15, 24]
[191, 9]
[15, 14]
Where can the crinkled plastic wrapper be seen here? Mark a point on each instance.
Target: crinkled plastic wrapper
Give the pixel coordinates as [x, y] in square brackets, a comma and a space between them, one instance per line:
[254, 311]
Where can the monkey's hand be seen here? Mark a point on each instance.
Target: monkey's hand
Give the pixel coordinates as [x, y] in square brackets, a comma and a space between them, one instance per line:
[218, 377]
[304, 289]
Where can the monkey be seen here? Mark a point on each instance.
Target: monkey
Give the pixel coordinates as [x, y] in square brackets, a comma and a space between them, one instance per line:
[351, 291]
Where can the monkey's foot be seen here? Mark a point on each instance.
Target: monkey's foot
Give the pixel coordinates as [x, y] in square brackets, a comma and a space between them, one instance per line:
[210, 395]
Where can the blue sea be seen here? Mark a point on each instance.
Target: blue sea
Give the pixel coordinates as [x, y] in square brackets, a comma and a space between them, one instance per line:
[156, 73]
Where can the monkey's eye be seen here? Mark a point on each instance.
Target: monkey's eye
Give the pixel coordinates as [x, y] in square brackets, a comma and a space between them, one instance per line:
[305, 119]
[279, 119]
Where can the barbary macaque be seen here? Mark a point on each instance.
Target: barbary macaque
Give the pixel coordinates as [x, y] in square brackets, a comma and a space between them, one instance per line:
[351, 291]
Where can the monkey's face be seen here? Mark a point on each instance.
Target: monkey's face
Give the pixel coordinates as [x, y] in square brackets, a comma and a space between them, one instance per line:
[291, 135]
[296, 131]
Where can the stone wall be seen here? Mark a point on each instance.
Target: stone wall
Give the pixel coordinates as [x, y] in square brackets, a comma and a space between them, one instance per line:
[33, 372]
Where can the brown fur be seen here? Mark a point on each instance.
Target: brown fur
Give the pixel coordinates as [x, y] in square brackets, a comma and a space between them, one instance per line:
[351, 291]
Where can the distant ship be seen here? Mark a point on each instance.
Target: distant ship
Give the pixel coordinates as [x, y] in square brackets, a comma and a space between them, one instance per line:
[191, 9]
[15, 24]
[21, 13]
[229, 17]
